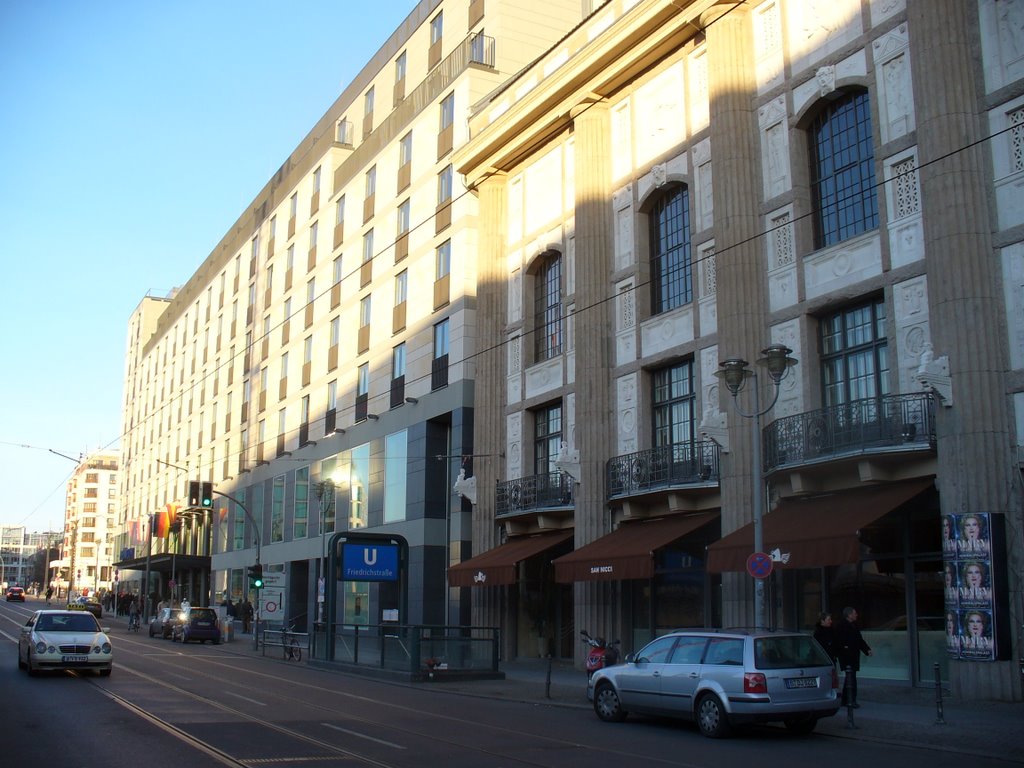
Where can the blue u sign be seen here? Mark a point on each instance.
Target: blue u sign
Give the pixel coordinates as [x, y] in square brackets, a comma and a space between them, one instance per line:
[369, 562]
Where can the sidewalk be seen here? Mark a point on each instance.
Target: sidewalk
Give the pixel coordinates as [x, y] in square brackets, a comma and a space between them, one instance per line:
[890, 712]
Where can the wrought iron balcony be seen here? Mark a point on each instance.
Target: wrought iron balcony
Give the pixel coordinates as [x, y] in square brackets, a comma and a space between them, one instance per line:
[875, 425]
[555, 490]
[669, 466]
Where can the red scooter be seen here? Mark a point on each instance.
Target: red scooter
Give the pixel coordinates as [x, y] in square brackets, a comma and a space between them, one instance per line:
[602, 653]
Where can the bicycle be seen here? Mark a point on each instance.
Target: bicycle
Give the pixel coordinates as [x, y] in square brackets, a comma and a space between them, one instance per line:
[133, 623]
[292, 649]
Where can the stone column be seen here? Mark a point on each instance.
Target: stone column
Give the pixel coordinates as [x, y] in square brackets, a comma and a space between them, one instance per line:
[741, 273]
[976, 472]
[489, 391]
[595, 602]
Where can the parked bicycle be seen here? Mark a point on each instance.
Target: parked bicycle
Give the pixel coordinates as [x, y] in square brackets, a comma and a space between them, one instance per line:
[292, 649]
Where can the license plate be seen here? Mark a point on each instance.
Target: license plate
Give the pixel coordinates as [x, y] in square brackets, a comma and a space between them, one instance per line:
[801, 682]
[73, 659]
[203, 624]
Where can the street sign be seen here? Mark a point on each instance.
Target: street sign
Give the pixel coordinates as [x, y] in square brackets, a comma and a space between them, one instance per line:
[759, 565]
[369, 562]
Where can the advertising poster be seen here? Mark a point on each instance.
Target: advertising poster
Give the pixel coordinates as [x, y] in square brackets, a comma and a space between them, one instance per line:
[970, 614]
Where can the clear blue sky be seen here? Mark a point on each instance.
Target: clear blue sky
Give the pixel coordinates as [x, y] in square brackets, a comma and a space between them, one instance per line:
[132, 136]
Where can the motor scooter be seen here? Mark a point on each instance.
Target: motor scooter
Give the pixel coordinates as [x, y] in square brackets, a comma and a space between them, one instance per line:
[602, 653]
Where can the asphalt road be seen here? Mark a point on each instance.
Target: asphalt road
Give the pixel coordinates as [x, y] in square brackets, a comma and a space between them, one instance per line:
[202, 705]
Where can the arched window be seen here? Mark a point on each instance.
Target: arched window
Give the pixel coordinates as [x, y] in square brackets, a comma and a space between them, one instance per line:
[671, 270]
[843, 171]
[547, 315]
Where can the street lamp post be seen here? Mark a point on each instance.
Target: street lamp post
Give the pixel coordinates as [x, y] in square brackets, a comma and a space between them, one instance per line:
[325, 499]
[735, 372]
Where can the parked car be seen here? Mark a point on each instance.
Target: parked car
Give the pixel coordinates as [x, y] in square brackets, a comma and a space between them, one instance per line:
[196, 624]
[58, 640]
[162, 622]
[722, 678]
[87, 604]
[16, 594]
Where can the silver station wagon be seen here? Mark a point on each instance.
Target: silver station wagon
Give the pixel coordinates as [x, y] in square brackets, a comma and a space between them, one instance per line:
[722, 678]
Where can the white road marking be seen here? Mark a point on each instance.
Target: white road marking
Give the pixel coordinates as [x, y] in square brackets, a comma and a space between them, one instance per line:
[362, 736]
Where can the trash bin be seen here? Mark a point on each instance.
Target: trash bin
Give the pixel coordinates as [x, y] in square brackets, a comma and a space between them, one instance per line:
[227, 630]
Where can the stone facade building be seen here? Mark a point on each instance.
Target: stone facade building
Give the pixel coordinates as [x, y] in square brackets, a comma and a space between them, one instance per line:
[677, 188]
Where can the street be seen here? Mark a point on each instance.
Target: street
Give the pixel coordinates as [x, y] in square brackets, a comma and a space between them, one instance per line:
[206, 705]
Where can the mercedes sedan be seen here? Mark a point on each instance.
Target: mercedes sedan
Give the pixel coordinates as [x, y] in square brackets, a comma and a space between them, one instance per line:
[60, 640]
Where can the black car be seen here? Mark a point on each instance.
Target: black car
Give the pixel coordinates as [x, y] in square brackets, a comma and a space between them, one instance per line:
[196, 624]
[163, 622]
[87, 604]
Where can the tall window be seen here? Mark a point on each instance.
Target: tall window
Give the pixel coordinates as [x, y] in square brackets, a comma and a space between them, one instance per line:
[368, 247]
[673, 408]
[401, 64]
[277, 510]
[404, 217]
[439, 365]
[401, 287]
[843, 171]
[398, 362]
[547, 438]
[447, 111]
[547, 315]
[436, 28]
[443, 259]
[364, 311]
[855, 354]
[339, 211]
[363, 381]
[405, 149]
[444, 186]
[671, 269]
[371, 182]
[396, 467]
[301, 524]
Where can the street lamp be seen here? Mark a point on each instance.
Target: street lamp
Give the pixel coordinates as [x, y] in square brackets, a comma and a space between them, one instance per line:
[325, 494]
[735, 372]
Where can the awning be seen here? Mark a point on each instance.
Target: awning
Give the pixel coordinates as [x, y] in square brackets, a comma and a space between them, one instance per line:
[815, 531]
[628, 551]
[497, 567]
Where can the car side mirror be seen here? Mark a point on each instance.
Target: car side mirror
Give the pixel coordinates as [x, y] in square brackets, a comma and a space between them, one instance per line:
[105, 630]
[26, 630]
[630, 658]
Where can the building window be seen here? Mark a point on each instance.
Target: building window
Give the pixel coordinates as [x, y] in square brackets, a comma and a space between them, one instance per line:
[331, 415]
[401, 65]
[439, 364]
[396, 468]
[671, 275]
[277, 510]
[447, 112]
[405, 161]
[397, 376]
[843, 171]
[444, 186]
[443, 260]
[854, 354]
[673, 403]
[401, 287]
[301, 525]
[548, 308]
[436, 35]
[547, 438]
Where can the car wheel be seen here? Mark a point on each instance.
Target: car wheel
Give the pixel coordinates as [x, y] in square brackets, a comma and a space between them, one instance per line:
[607, 704]
[712, 719]
[21, 664]
[801, 726]
[32, 672]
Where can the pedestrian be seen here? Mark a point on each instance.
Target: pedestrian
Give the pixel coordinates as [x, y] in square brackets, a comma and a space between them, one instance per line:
[49, 594]
[850, 644]
[229, 608]
[825, 634]
[247, 614]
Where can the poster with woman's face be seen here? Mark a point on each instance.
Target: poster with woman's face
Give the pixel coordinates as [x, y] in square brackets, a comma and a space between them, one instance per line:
[976, 635]
[972, 534]
[975, 589]
[949, 528]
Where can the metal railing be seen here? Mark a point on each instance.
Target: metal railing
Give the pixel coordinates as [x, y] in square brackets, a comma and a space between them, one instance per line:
[878, 424]
[416, 649]
[668, 466]
[551, 490]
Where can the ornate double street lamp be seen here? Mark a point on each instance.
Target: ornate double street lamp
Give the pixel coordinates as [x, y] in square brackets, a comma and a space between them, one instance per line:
[734, 372]
[325, 491]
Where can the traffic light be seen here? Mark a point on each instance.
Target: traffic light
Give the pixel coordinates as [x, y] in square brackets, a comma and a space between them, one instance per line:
[256, 576]
[206, 495]
[193, 493]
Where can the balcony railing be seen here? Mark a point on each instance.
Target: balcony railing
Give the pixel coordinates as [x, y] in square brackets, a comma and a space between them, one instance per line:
[536, 492]
[668, 466]
[893, 422]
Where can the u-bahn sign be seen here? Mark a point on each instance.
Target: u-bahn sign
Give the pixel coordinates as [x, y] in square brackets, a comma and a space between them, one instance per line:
[369, 561]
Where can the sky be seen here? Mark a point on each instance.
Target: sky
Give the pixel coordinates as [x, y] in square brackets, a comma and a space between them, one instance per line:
[132, 136]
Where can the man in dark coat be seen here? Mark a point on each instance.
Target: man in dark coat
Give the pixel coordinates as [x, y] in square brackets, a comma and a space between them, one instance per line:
[849, 646]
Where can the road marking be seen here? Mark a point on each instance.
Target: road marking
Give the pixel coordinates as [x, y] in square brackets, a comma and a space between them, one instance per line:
[362, 735]
[244, 698]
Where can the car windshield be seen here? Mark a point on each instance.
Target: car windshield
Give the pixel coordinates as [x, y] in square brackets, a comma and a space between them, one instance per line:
[788, 651]
[203, 614]
[67, 622]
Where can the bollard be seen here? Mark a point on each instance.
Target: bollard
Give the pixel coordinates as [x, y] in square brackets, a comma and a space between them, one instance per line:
[938, 696]
[547, 680]
[848, 699]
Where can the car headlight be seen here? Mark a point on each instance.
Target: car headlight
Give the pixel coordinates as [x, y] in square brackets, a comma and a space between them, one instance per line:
[105, 648]
[40, 647]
